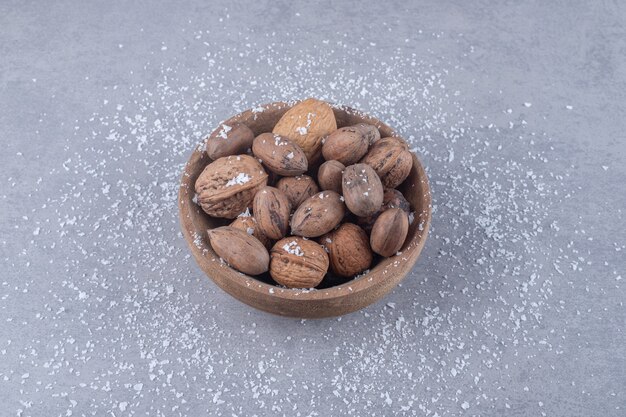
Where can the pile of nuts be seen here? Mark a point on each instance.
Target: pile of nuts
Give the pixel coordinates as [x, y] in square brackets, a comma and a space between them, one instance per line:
[300, 229]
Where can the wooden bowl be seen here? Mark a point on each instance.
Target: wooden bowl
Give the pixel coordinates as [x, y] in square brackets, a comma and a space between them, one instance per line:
[259, 292]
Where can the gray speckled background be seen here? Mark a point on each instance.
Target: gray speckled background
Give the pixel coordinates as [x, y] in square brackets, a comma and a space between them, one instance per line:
[516, 306]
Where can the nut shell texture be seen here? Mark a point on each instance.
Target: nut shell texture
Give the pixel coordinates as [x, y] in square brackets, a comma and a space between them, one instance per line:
[298, 263]
[391, 159]
[271, 210]
[249, 225]
[279, 154]
[229, 139]
[389, 232]
[362, 190]
[297, 189]
[329, 175]
[306, 124]
[241, 251]
[346, 145]
[348, 249]
[318, 214]
[371, 132]
[226, 187]
[392, 198]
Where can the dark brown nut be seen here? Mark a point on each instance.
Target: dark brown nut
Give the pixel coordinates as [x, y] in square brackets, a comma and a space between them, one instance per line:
[298, 263]
[306, 124]
[362, 190]
[370, 131]
[329, 176]
[389, 232]
[241, 251]
[279, 154]
[229, 139]
[271, 210]
[249, 225]
[348, 249]
[227, 186]
[392, 198]
[297, 189]
[346, 145]
[391, 159]
[318, 214]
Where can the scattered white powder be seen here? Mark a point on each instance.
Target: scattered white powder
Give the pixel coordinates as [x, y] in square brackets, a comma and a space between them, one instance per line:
[492, 270]
[223, 133]
[241, 178]
[245, 213]
[290, 155]
[293, 248]
[302, 130]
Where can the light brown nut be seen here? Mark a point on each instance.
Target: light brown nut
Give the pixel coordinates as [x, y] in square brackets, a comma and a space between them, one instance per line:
[229, 139]
[318, 214]
[227, 186]
[271, 210]
[389, 232]
[348, 249]
[241, 251]
[346, 145]
[249, 225]
[391, 159]
[362, 190]
[329, 175]
[306, 124]
[298, 263]
[279, 154]
[297, 189]
[392, 198]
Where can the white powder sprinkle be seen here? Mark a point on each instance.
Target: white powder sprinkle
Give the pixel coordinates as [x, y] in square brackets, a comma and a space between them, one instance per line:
[293, 248]
[241, 178]
[223, 133]
[475, 302]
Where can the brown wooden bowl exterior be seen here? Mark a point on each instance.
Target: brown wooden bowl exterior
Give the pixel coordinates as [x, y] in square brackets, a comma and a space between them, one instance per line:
[328, 302]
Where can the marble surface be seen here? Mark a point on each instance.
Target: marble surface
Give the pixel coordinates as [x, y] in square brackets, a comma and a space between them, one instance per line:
[516, 306]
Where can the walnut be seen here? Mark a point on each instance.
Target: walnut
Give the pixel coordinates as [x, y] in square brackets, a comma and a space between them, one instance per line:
[391, 159]
[227, 186]
[298, 263]
[349, 250]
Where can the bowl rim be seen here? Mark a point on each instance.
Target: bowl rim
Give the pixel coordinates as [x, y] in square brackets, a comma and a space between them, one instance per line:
[355, 286]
